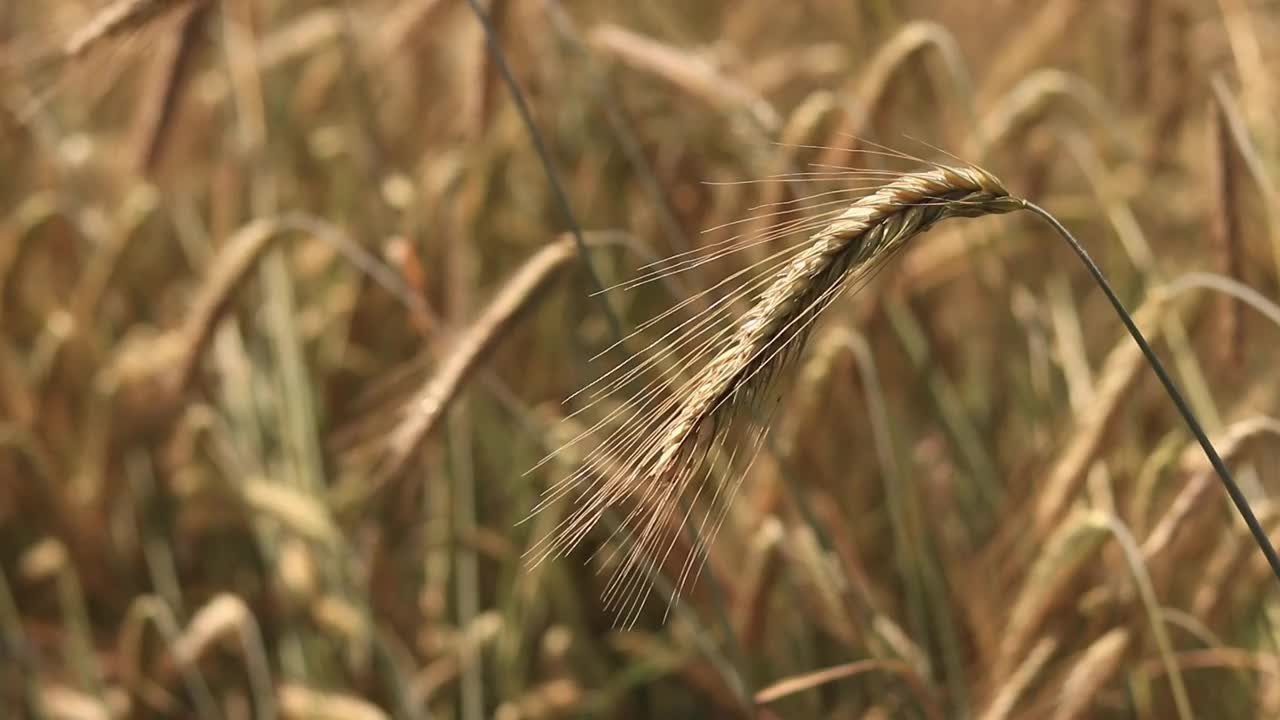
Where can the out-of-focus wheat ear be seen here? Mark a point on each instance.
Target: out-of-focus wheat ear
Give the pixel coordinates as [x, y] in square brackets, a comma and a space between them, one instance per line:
[1027, 49]
[1116, 379]
[810, 61]
[1257, 73]
[1090, 674]
[1030, 101]
[19, 228]
[116, 19]
[298, 702]
[1223, 220]
[814, 112]
[230, 269]
[874, 84]
[1013, 687]
[293, 509]
[226, 615]
[1231, 443]
[761, 572]
[1067, 550]
[691, 72]
[49, 560]
[58, 700]
[429, 404]
[405, 25]
[152, 372]
[152, 609]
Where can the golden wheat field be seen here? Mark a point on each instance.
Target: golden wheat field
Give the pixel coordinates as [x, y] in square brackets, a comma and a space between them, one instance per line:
[534, 359]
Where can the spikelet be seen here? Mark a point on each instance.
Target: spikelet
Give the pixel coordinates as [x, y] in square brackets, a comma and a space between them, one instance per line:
[682, 447]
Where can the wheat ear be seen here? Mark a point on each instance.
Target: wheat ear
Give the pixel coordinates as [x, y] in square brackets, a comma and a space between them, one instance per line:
[429, 404]
[872, 227]
[673, 443]
[685, 447]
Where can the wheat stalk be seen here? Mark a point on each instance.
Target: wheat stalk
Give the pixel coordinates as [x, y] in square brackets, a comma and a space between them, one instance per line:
[682, 447]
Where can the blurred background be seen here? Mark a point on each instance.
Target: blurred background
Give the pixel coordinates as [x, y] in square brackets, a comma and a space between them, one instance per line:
[289, 308]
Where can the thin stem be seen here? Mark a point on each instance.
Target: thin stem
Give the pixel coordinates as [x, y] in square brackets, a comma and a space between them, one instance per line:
[1220, 467]
[562, 200]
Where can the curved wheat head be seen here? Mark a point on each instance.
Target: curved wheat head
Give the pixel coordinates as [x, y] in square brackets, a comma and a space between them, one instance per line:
[685, 416]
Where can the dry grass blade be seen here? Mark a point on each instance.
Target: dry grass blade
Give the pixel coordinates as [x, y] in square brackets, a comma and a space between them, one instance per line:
[1255, 67]
[1151, 604]
[808, 681]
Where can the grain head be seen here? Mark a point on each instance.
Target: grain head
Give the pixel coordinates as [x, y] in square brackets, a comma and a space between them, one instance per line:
[682, 446]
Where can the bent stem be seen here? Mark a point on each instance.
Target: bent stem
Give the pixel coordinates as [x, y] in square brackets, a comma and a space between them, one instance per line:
[1220, 467]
